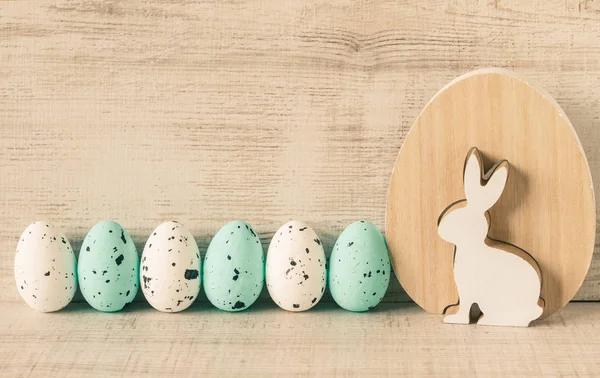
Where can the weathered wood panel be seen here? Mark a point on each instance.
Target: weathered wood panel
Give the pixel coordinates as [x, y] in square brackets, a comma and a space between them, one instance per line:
[143, 111]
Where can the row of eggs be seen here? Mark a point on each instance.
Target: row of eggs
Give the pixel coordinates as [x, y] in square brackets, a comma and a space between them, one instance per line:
[171, 270]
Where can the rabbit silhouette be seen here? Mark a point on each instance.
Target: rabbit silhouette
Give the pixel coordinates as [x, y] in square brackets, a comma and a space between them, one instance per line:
[504, 280]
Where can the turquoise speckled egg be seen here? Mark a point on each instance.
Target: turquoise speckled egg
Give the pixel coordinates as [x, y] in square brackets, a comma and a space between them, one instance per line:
[234, 267]
[359, 267]
[108, 267]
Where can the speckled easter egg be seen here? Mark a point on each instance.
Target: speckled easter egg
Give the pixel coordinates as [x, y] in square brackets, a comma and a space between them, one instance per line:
[234, 267]
[108, 267]
[295, 271]
[170, 268]
[45, 268]
[359, 267]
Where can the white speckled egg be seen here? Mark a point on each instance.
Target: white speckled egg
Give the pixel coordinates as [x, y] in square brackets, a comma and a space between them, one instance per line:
[295, 272]
[45, 268]
[170, 268]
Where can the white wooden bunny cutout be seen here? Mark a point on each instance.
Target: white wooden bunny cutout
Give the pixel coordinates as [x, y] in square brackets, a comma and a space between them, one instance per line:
[504, 280]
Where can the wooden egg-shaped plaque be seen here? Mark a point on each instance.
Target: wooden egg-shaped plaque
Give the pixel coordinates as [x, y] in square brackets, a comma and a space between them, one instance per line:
[547, 207]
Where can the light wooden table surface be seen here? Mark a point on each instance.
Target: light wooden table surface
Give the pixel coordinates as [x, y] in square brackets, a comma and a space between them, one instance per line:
[394, 339]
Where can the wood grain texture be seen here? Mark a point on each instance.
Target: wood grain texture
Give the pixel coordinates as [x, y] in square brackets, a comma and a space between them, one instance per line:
[547, 207]
[394, 340]
[143, 111]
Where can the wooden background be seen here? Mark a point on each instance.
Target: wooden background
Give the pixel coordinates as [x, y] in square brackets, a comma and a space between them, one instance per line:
[261, 110]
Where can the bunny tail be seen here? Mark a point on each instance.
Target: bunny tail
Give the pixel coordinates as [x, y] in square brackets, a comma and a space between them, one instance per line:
[541, 303]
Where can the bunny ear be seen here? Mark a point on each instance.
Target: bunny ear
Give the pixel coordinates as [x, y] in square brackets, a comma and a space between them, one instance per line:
[472, 175]
[483, 191]
[496, 181]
